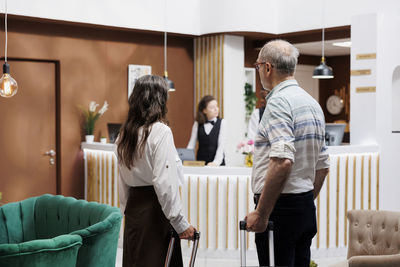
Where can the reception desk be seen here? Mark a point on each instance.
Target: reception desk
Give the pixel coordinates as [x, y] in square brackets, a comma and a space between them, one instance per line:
[216, 198]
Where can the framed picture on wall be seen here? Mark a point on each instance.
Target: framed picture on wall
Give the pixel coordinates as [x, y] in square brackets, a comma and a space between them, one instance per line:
[134, 73]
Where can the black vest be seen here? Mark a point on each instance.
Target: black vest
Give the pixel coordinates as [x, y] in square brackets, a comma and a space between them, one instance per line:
[261, 110]
[208, 144]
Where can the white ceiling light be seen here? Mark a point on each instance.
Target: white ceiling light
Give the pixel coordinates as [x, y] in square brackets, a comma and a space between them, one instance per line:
[343, 44]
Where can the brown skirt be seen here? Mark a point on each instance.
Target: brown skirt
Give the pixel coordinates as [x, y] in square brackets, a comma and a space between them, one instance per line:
[147, 231]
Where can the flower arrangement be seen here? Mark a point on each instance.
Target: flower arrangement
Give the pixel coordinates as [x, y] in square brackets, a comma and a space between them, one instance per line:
[246, 147]
[91, 116]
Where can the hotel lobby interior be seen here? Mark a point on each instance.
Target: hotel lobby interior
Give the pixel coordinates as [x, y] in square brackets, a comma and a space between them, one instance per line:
[73, 59]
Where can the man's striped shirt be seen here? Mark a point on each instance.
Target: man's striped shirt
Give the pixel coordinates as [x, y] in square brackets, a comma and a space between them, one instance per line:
[292, 127]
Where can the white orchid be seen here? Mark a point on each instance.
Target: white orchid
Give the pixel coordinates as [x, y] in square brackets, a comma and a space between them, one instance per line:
[92, 106]
[103, 108]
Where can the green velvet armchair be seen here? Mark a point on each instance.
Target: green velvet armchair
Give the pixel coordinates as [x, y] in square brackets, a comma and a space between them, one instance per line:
[55, 218]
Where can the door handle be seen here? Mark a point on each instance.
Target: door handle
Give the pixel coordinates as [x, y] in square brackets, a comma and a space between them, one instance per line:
[50, 153]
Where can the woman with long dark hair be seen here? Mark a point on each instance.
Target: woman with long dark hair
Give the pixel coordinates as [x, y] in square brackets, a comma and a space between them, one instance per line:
[148, 185]
[209, 131]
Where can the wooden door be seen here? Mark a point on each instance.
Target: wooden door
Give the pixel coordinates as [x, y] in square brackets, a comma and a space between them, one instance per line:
[27, 132]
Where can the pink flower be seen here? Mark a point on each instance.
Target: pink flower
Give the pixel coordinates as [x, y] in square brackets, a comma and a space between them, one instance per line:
[250, 142]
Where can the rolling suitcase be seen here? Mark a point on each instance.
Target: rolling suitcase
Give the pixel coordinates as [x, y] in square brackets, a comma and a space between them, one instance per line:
[171, 248]
[270, 228]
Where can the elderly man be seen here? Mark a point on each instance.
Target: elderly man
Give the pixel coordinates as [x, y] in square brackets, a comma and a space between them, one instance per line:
[290, 160]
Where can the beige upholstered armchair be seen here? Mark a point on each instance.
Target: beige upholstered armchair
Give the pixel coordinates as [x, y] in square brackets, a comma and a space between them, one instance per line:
[374, 239]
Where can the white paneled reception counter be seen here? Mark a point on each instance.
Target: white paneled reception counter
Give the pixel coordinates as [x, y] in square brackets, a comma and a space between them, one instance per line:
[215, 198]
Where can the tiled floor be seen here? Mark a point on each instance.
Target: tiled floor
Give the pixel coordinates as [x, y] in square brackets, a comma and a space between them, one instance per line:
[234, 261]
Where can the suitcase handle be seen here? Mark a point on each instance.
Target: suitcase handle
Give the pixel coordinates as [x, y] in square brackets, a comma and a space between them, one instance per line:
[270, 229]
[243, 225]
[174, 235]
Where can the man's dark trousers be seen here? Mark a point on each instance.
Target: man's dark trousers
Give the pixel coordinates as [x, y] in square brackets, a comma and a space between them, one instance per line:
[294, 227]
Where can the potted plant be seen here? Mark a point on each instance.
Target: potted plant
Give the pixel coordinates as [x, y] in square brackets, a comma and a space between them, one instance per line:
[250, 99]
[103, 139]
[90, 117]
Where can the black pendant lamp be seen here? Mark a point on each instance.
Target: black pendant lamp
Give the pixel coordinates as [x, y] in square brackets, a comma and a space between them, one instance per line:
[323, 71]
[171, 85]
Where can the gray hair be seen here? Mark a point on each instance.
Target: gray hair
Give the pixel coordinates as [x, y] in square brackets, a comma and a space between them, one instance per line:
[281, 54]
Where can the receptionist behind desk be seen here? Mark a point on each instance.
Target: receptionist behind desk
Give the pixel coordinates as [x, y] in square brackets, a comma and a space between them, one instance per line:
[209, 130]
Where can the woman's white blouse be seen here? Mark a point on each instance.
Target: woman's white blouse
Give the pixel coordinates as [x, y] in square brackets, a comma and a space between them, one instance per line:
[220, 153]
[159, 166]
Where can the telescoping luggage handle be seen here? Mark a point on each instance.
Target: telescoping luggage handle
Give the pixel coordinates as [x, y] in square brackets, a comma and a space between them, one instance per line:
[171, 248]
[270, 228]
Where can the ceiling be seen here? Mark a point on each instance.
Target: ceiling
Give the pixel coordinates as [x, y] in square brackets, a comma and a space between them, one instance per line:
[315, 48]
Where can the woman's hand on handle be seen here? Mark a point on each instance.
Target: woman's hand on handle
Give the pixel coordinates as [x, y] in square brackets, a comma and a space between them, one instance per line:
[188, 233]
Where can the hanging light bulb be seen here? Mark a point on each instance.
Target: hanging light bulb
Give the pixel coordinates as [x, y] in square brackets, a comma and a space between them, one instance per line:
[171, 85]
[8, 86]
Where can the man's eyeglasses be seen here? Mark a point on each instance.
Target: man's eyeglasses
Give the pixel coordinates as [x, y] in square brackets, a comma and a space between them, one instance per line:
[258, 64]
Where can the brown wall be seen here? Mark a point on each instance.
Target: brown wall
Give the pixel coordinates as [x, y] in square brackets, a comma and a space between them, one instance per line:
[94, 64]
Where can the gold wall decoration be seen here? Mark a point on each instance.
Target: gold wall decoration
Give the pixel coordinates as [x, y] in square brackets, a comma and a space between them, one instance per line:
[369, 181]
[367, 89]
[360, 72]
[377, 182]
[318, 218]
[90, 176]
[189, 204]
[198, 203]
[337, 199]
[247, 211]
[217, 214]
[327, 211]
[107, 160]
[209, 68]
[237, 212]
[103, 183]
[112, 181]
[98, 177]
[366, 56]
[207, 208]
[362, 182]
[346, 191]
[103, 177]
[354, 182]
[118, 203]
[227, 210]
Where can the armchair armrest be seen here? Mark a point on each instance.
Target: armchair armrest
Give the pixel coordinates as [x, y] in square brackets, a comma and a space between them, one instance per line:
[375, 260]
[100, 227]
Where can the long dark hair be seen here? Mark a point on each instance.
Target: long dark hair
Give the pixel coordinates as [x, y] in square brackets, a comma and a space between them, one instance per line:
[201, 118]
[147, 105]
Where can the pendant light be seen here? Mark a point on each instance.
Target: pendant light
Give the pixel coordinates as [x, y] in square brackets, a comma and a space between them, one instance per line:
[323, 71]
[8, 86]
[171, 85]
